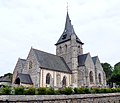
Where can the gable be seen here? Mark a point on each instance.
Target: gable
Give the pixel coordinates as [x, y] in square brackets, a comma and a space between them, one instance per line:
[97, 63]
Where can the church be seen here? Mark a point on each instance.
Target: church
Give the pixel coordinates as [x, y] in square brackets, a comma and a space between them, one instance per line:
[70, 67]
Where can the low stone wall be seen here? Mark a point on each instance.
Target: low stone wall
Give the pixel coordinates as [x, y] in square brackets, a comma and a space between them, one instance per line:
[81, 98]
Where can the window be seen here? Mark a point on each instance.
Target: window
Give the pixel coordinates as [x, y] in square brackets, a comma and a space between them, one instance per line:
[91, 76]
[65, 48]
[48, 78]
[64, 36]
[99, 77]
[64, 81]
[30, 64]
[60, 49]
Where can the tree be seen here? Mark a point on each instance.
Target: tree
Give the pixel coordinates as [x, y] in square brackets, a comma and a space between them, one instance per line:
[107, 69]
[116, 74]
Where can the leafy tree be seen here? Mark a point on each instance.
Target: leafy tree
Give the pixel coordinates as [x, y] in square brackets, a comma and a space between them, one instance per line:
[116, 74]
[108, 70]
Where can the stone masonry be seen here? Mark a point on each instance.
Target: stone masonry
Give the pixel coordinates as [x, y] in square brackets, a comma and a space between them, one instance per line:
[82, 98]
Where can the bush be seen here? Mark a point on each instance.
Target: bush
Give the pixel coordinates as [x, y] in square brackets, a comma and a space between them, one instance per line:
[68, 91]
[76, 91]
[57, 92]
[29, 91]
[41, 91]
[87, 90]
[50, 91]
[19, 90]
[81, 91]
[6, 91]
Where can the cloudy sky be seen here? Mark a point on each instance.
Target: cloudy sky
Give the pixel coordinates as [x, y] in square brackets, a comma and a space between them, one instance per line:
[39, 24]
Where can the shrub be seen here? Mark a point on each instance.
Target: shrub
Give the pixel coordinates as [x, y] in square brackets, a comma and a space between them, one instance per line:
[57, 92]
[76, 91]
[87, 90]
[118, 89]
[19, 90]
[6, 91]
[41, 91]
[81, 91]
[68, 90]
[29, 91]
[50, 91]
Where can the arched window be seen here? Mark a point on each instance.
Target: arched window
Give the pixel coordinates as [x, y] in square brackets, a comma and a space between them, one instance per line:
[64, 81]
[60, 49]
[91, 76]
[99, 77]
[79, 49]
[65, 48]
[48, 78]
[58, 80]
[17, 81]
[30, 64]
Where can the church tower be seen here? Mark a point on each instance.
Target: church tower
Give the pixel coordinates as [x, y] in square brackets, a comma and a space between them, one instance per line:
[69, 46]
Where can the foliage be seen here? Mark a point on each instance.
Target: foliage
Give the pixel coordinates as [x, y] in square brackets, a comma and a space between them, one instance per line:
[19, 90]
[41, 91]
[82, 90]
[6, 91]
[29, 91]
[108, 70]
[50, 91]
[68, 91]
[116, 74]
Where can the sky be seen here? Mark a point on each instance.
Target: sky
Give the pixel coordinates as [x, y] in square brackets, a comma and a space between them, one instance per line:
[40, 23]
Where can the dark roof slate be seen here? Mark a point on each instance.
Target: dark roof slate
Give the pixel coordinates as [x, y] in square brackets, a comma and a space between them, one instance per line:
[68, 31]
[82, 59]
[5, 79]
[94, 59]
[51, 62]
[23, 61]
[24, 78]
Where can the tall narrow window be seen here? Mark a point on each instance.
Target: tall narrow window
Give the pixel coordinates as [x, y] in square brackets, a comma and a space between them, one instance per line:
[99, 77]
[91, 76]
[64, 81]
[30, 64]
[65, 48]
[78, 49]
[60, 49]
[48, 78]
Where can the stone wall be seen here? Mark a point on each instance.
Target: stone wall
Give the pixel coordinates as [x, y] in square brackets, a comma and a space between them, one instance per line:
[82, 98]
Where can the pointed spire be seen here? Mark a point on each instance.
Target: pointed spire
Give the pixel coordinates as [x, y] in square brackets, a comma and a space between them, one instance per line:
[68, 31]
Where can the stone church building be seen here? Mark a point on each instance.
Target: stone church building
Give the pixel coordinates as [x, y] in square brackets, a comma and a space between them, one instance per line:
[70, 67]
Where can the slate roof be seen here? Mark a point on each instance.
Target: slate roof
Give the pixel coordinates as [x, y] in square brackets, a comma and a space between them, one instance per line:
[23, 61]
[68, 31]
[5, 79]
[94, 59]
[51, 62]
[82, 59]
[24, 78]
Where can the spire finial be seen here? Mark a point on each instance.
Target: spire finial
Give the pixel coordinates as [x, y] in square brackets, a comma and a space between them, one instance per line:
[67, 6]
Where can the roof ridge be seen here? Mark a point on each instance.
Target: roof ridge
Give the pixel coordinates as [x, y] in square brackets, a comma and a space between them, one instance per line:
[45, 52]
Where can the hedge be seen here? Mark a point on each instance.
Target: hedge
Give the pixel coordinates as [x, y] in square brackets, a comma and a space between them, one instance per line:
[50, 91]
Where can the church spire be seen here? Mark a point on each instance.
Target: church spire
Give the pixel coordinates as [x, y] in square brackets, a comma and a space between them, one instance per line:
[68, 31]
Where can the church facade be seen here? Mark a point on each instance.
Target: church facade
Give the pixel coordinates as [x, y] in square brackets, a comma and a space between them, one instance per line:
[70, 67]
